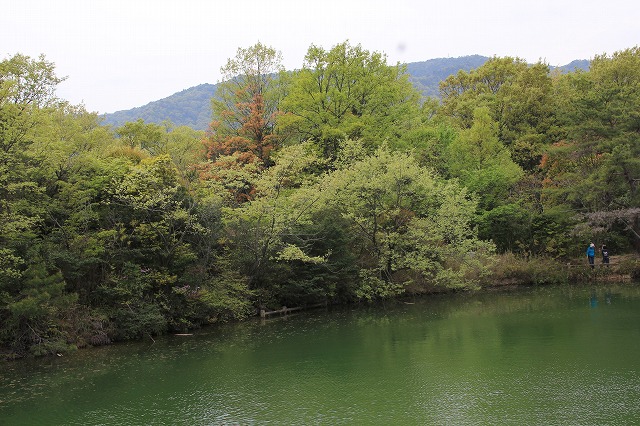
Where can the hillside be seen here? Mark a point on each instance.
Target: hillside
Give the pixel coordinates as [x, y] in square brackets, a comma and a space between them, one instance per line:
[192, 107]
[427, 75]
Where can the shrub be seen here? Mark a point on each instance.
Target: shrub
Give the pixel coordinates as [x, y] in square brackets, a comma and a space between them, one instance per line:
[512, 269]
[629, 266]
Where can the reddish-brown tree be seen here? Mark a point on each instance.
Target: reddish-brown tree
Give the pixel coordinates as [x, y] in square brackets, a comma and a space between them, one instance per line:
[241, 136]
[246, 105]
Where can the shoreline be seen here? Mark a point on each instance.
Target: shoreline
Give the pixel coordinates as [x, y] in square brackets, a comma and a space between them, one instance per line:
[509, 274]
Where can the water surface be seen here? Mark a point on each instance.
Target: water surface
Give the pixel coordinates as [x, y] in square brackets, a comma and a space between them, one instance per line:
[553, 356]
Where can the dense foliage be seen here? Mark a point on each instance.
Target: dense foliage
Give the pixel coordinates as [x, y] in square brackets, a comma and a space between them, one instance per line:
[335, 183]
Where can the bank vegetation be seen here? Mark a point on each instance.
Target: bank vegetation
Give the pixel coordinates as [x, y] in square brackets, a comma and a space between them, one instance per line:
[333, 183]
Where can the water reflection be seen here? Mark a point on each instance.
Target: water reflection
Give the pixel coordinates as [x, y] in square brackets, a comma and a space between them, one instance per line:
[537, 356]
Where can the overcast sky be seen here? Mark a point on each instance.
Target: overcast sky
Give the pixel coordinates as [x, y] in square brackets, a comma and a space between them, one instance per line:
[120, 54]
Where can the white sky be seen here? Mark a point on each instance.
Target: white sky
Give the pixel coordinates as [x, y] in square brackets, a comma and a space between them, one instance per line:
[120, 54]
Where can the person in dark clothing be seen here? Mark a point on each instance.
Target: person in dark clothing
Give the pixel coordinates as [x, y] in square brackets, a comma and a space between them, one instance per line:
[591, 254]
[605, 255]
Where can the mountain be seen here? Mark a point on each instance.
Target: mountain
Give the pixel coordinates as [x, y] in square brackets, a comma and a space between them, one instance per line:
[192, 107]
[426, 76]
[578, 64]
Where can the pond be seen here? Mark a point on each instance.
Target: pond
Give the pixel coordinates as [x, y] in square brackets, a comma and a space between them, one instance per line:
[546, 355]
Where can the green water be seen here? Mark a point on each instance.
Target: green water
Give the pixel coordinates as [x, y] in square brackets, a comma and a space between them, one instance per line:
[545, 356]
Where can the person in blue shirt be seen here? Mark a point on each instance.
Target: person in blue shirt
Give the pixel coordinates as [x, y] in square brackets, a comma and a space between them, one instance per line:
[591, 254]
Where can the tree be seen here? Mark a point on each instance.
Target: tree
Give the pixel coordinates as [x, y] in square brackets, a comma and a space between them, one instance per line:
[31, 322]
[519, 98]
[241, 137]
[411, 228]
[27, 86]
[182, 144]
[32, 298]
[147, 136]
[347, 93]
[481, 162]
[153, 237]
[266, 234]
[27, 89]
[395, 223]
[246, 105]
[596, 169]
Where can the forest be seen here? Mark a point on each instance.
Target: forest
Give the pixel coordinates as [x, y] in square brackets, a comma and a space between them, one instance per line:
[335, 183]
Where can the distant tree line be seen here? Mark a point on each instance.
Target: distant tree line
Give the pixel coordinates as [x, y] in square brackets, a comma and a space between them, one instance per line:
[335, 183]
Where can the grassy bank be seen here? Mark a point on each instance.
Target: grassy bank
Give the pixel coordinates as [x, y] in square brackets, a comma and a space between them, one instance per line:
[513, 270]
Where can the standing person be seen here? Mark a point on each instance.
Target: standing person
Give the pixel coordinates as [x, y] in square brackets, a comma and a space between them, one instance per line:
[591, 254]
[605, 255]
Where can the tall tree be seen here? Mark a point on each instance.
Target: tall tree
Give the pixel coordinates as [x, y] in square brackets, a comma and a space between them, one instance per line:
[241, 137]
[347, 93]
[246, 105]
[27, 89]
[31, 290]
[520, 100]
